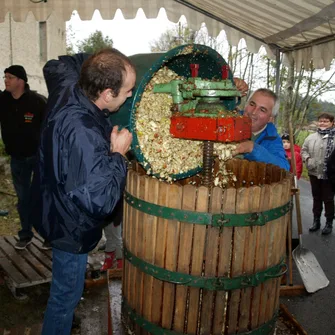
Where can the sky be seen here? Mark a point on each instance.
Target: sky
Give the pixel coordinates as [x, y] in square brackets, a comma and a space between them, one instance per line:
[134, 36]
[129, 36]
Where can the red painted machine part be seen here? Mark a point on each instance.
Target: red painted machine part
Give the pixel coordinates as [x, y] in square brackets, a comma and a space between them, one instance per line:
[232, 129]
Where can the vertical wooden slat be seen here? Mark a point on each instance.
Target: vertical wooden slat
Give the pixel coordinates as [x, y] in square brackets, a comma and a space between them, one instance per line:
[211, 261]
[150, 230]
[184, 256]
[268, 286]
[237, 170]
[268, 240]
[258, 303]
[268, 174]
[173, 228]
[249, 259]
[252, 173]
[130, 243]
[139, 250]
[261, 170]
[224, 269]
[275, 240]
[244, 173]
[233, 166]
[126, 240]
[242, 195]
[161, 240]
[199, 238]
[281, 247]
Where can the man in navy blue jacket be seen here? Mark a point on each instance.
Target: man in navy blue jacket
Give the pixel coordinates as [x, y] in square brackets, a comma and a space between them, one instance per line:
[81, 172]
[265, 145]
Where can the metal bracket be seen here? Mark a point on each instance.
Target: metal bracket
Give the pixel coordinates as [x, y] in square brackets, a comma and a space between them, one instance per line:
[266, 328]
[222, 283]
[218, 220]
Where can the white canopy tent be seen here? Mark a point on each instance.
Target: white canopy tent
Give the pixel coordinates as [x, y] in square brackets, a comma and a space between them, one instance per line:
[302, 29]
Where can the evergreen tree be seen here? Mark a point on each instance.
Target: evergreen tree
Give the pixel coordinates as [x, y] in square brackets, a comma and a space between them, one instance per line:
[95, 42]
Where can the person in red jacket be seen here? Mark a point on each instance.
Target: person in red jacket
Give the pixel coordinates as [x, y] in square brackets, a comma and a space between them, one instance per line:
[287, 146]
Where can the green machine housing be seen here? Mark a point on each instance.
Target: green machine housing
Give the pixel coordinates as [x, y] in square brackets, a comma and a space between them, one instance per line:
[210, 65]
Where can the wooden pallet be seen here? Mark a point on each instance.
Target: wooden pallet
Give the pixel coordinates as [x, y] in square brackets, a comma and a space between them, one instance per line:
[22, 330]
[24, 268]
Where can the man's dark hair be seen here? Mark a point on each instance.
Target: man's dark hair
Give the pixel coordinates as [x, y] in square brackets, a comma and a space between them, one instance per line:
[326, 116]
[105, 69]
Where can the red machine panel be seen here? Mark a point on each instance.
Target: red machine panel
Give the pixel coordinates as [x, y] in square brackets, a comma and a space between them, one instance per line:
[234, 129]
[231, 129]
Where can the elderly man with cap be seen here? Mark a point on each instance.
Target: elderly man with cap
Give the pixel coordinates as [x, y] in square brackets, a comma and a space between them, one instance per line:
[21, 114]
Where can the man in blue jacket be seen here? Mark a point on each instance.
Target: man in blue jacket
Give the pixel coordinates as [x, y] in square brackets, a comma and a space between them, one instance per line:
[265, 145]
[81, 172]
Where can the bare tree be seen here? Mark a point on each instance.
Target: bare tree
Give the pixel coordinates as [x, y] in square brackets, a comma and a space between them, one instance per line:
[303, 87]
[180, 34]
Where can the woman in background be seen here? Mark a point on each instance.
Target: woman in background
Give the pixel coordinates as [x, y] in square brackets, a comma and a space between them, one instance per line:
[315, 153]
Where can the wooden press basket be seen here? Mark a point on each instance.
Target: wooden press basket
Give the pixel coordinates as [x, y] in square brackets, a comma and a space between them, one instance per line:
[197, 263]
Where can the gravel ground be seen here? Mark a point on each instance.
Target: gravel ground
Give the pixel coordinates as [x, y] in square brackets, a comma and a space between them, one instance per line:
[92, 309]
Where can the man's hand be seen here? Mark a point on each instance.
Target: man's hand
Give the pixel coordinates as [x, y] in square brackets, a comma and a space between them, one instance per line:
[241, 85]
[243, 148]
[120, 140]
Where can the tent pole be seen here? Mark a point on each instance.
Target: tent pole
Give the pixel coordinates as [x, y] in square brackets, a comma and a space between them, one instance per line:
[277, 83]
[277, 72]
[287, 113]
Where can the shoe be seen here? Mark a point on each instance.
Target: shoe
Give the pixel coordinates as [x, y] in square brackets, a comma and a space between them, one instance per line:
[328, 227]
[102, 247]
[3, 212]
[46, 245]
[316, 225]
[109, 261]
[22, 244]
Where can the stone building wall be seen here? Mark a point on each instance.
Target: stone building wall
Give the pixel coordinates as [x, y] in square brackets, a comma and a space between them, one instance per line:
[31, 44]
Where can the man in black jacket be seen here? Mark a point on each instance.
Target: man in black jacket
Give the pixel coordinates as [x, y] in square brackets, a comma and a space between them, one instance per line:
[21, 114]
[81, 171]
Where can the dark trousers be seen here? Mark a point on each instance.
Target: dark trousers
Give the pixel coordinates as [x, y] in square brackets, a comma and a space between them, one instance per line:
[22, 171]
[322, 194]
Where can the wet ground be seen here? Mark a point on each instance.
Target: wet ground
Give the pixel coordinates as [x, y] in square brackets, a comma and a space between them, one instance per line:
[92, 309]
[315, 312]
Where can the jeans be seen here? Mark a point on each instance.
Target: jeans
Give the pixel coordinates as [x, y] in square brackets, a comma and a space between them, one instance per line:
[68, 278]
[22, 171]
[322, 194]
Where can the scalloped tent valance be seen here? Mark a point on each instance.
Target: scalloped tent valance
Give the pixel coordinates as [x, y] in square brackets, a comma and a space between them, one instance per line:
[303, 28]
